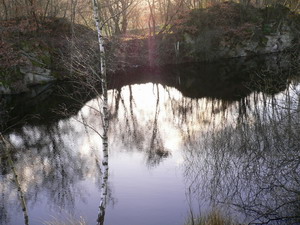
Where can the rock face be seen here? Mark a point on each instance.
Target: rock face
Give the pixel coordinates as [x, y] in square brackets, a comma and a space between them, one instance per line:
[240, 32]
[31, 76]
[205, 47]
[226, 30]
[33, 70]
[272, 43]
[30, 54]
[36, 75]
[4, 90]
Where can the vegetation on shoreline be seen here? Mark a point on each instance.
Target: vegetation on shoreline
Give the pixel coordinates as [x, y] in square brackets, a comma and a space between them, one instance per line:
[214, 217]
[232, 30]
[198, 34]
[235, 19]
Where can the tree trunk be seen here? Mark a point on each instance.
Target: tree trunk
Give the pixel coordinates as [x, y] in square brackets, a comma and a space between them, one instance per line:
[5, 9]
[33, 12]
[104, 168]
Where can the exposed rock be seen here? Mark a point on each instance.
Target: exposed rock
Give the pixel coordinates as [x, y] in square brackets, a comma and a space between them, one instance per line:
[32, 56]
[260, 31]
[33, 69]
[29, 76]
[271, 43]
[36, 75]
[226, 30]
[4, 90]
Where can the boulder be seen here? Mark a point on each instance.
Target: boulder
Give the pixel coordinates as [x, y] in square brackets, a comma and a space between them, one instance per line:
[34, 75]
[4, 90]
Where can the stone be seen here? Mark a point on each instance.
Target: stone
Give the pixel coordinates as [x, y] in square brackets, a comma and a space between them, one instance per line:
[34, 75]
[4, 90]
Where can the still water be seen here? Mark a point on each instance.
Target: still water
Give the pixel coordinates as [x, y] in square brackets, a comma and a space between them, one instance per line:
[177, 151]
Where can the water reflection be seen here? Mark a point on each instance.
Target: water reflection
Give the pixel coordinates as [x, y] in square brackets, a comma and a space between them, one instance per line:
[227, 80]
[49, 166]
[252, 164]
[238, 156]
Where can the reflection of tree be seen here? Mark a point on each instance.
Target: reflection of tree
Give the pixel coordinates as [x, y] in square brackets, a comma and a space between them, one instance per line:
[141, 134]
[3, 113]
[131, 120]
[144, 127]
[244, 161]
[49, 165]
[5, 185]
[3, 211]
[156, 151]
[252, 165]
[7, 147]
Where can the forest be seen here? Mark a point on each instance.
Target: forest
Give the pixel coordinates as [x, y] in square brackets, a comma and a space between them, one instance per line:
[147, 17]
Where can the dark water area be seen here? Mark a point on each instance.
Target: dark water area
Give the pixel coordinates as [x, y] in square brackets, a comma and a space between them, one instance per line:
[228, 80]
[185, 142]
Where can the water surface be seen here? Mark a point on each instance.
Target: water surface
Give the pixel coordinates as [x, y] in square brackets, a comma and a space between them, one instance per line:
[177, 150]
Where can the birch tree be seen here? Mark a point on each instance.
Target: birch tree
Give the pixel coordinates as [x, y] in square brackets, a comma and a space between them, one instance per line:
[103, 79]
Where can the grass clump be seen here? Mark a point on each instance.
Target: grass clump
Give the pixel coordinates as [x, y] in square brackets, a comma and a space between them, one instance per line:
[215, 217]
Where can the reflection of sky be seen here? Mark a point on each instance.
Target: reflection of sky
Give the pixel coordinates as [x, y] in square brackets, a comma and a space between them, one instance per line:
[151, 127]
[142, 192]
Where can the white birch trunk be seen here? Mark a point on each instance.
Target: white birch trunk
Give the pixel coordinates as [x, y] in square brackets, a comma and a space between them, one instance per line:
[104, 168]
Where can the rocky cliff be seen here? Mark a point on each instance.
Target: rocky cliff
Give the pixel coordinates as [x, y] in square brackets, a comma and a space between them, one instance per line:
[31, 55]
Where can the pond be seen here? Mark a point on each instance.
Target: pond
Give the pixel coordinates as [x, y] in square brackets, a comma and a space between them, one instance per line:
[185, 142]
